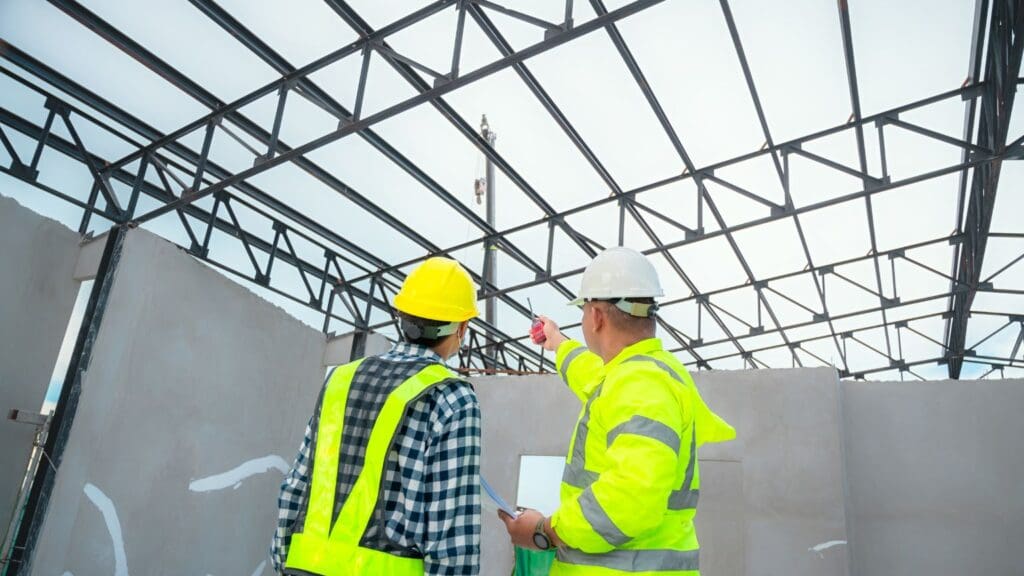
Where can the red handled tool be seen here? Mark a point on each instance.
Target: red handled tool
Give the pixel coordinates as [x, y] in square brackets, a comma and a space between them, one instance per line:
[537, 328]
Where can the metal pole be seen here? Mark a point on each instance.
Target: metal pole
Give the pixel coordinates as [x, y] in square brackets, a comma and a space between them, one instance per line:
[490, 264]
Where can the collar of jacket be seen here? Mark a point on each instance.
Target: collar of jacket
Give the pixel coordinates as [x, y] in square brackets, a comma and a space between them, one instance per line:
[645, 346]
[409, 350]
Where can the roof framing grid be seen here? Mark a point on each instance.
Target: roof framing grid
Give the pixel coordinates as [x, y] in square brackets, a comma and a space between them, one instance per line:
[350, 284]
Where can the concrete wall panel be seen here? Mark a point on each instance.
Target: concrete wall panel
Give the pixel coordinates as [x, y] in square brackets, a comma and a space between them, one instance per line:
[789, 430]
[37, 294]
[192, 410]
[936, 476]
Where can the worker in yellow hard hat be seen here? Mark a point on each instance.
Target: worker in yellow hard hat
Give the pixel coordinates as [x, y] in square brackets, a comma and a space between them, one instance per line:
[387, 480]
[631, 481]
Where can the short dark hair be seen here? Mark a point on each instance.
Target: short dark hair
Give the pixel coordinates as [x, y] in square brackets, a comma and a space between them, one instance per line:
[407, 322]
[639, 325]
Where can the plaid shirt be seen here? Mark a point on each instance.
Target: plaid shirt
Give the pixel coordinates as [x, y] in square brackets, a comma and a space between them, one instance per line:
[430, 499]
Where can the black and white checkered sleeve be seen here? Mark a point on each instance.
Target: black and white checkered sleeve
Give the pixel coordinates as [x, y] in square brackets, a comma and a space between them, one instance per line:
[294, 491]
[451, 484]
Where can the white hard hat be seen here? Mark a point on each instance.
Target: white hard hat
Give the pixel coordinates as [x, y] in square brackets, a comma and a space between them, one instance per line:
[617, 273]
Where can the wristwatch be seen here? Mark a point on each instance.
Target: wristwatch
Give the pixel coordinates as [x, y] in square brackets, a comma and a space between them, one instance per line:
[540, 539]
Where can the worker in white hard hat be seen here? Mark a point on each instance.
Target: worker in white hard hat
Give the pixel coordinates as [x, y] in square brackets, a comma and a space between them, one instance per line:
[631, 482]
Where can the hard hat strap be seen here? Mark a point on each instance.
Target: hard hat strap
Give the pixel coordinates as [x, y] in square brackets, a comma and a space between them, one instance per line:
[416, 331]
[641, 310]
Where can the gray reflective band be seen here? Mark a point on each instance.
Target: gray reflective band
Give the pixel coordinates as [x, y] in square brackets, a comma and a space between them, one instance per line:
[599, 519]
[692, 464]
[659, 364]
[634, 560]
[578, 477]
[683, 499]
[648, 428]
[572, 355]
[574, 473]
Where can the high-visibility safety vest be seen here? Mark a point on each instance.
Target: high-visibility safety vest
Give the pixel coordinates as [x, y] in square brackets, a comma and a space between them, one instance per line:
[631, 482]
[334, 550]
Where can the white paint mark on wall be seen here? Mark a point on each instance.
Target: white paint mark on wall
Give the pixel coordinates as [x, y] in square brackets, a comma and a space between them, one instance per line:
[106, 507]
[818, 549]
[233, 478]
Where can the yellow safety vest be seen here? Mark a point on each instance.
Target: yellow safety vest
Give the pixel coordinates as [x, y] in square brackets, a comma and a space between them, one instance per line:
[631, 482]
[329, 551]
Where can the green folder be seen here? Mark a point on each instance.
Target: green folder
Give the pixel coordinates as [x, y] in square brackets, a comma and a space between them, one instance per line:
[533, 562]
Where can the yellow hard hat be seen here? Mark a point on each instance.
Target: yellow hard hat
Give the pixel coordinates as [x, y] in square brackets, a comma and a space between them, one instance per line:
[438, 289]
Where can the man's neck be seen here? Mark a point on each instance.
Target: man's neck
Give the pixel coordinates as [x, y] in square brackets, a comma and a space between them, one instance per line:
[618, 344]
[444, 350]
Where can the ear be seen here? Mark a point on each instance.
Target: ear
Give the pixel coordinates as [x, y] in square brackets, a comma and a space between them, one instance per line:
[463, 328]
[599, 318]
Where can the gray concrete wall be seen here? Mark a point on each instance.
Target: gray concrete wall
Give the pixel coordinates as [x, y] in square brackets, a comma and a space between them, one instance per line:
[193, 408]
[790, 448]
[37, 294]
[767, 499]
[936, 475]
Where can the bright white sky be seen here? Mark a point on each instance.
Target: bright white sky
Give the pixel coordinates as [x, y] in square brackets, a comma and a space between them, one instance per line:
[795, 53]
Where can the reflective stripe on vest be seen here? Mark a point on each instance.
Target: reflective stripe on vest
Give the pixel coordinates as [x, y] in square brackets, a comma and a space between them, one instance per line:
[334, 550]
[575, 473]
[599, 519]
[634, 560]
[572, 355]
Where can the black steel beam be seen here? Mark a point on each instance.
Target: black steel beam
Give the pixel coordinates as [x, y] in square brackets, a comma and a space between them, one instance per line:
[851, 77]
[1002, 67]
[970, 110]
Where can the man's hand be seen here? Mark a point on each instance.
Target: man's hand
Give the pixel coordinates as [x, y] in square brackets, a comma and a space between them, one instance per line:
[552, 333]
[521, 528]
